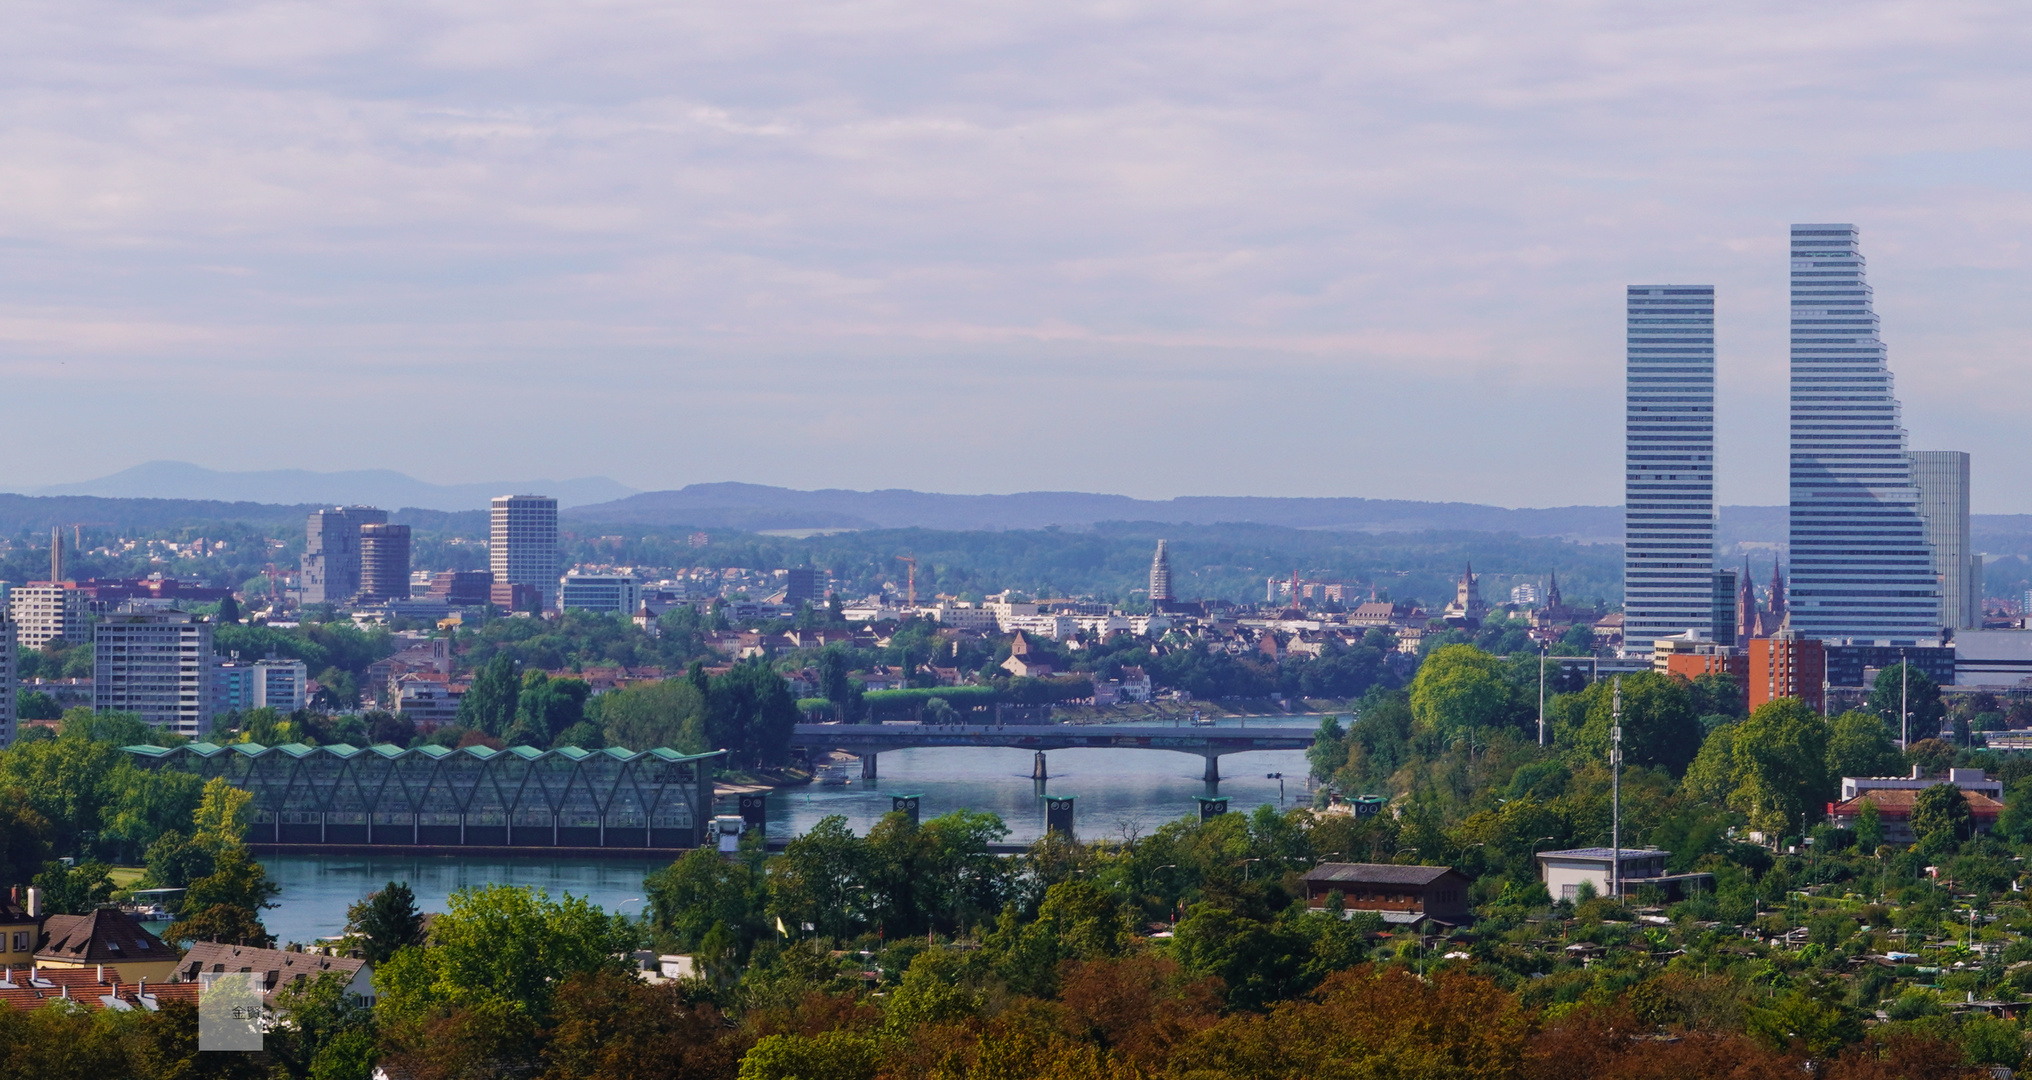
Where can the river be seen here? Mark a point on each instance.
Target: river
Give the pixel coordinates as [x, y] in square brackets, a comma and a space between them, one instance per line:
[1118, 791]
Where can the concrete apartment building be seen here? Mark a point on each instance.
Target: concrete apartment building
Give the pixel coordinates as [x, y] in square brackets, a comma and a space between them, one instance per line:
[611, 594]
[43, 611]
[281, 685]
[523, 546]
[157, 665]
[331, 554]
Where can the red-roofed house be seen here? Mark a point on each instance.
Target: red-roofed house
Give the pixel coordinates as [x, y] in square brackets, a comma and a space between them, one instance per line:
[1894, 812]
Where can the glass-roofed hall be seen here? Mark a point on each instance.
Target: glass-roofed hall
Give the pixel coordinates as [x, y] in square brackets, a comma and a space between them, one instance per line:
[429, 796]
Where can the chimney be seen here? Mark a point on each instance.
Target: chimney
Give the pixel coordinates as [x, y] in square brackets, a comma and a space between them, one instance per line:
[143, 991]
[34, 902]
[102, 974]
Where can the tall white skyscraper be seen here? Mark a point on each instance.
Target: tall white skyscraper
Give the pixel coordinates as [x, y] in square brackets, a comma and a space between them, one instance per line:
[522, 546]
[1942, 477]
[1668, 465]
[1862, 569]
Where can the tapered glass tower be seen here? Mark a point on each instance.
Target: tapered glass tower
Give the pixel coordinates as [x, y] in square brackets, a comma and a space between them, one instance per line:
[1668, 458]
[1861, 565]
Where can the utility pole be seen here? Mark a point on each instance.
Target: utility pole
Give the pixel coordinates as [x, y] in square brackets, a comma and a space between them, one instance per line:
[1904, 700]
[1541, 693]
[1616, 791]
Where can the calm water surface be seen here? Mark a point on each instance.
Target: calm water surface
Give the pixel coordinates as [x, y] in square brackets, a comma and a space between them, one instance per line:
[1118, 790]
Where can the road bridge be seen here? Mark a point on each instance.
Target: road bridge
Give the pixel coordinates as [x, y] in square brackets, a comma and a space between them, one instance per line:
[868, 741]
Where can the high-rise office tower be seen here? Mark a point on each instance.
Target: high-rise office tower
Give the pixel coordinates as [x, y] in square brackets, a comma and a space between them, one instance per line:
[1668, 459]
[331, 553]
[523, 544]
[1942, 477]
[384, 563]
[1861, 567]
[1160, 578]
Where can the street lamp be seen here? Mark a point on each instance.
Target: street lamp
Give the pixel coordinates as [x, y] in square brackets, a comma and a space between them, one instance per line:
[1543, 648]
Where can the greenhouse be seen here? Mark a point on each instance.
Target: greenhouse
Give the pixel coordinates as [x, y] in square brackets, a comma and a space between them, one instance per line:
[430, 796]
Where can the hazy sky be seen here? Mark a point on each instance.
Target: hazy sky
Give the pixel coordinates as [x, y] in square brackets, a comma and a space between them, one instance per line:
[1149, 248]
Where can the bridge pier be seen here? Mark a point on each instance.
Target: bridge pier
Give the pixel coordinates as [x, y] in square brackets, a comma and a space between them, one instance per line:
[868, 765]
[1213, 769]
[1038, 771]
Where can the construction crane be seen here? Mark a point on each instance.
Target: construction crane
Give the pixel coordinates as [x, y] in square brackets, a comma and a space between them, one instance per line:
[911, 560]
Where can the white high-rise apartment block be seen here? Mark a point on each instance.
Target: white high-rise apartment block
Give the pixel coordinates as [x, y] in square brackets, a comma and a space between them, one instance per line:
[157, 665]
[44, 611]
[1668, 465]
[1862, 569]
[1942, 477]
[614, 594]
[280, 685]
[523, 544]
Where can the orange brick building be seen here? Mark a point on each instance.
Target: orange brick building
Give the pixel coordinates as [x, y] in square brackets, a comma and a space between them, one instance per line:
[1786, 665]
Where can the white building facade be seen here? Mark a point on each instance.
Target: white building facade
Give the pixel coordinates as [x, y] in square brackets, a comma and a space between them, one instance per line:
[612, 594]
[281, 685]
[1862, 569]
[522, 544]
[157, 665]
[45, 611]
[1668, 464]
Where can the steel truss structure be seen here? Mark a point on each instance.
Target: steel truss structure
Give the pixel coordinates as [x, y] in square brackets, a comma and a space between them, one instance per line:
[429, 796]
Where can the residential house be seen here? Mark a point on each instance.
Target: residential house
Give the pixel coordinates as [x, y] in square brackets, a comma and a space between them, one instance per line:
[106, 936]
[101, 986]
[1564, 871]
[274, 969]
[1403, 895]
[1894, 812]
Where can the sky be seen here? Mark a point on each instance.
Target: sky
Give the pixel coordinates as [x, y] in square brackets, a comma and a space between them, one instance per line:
[1157, 249]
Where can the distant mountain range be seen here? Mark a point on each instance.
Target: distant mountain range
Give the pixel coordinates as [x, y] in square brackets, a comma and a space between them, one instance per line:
[370, 487]
[164, 493]
[758, 507]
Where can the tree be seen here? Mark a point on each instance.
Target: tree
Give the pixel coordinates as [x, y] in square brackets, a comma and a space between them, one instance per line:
[1941, 819]
[1859, 744]
[702, 890]
[326, 1033]
[501, 950]
[1661, 724]
[1869, 827]
[226, 904]
[1780, 756]
[813, 880]
[1459, 688]
[1921, 696]
[546, 708]
[1329, 751]
[229, 611]
[669, 713]
[24, 837]
[387, 920]
[74, 890]
[489, 705]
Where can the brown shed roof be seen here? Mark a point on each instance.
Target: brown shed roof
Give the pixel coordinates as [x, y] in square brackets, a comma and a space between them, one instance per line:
[1377, 873]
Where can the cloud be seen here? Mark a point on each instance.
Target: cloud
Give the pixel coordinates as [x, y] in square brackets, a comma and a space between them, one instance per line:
[1302, 248]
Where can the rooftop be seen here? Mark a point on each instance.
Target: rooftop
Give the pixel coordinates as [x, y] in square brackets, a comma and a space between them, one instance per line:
[106, 936]
[1378, 873]
[1605, 854]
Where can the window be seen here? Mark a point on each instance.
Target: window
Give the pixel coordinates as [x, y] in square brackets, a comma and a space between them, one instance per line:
[21, 941]
[1569, 892]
